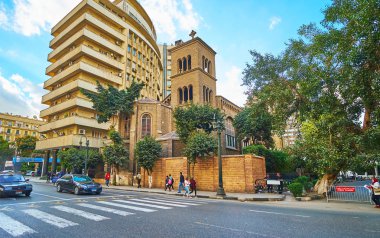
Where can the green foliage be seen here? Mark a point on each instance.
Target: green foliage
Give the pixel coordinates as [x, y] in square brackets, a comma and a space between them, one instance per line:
[305, 181]
[275, 160]
[296, 189]
[26, 145]
[199, 145]
[111, 101]
[196, 117]
[25, 167]
[73, 159]
[327, 79]
[6, 153]
[255, 123]
[147, 152]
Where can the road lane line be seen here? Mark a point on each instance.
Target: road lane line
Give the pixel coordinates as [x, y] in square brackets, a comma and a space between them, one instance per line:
[127, 207]
[105, 209]
[48, 196]
[278, 213]
[13, 227]
[143, 204]
[161, 203]
[87, 215]
[62, 199]
[175, 202]
[50, 219]
[234, 229]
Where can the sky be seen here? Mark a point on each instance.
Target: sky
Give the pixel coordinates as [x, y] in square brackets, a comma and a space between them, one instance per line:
[231, 28]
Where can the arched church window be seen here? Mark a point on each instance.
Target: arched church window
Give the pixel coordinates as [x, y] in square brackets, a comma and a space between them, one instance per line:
[146, 125]
[185, 94]
[180, 95]
[189, 62]
[210, 96]
[203, 62]
[191, 92]
[184, 64]
[209, 67]
[207, 95]
[180, 65]
[204, 93]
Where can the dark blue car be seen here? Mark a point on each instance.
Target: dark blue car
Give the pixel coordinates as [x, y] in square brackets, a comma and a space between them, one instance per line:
[14, 184]
[78, 184]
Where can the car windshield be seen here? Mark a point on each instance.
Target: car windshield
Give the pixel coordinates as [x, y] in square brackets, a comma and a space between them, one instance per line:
[82, 179]
[8, 178]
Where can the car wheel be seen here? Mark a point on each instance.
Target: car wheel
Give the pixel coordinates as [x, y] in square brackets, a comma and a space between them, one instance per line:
[59, 189]
[76, 191]
[27, 194]
[98, 193]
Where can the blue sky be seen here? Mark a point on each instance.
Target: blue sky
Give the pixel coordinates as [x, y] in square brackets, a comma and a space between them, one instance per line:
[232, 28]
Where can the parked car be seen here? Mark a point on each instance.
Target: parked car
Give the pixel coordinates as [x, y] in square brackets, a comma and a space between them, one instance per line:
[78, 184]
[30, 173]
[14, 184]
[7, 171]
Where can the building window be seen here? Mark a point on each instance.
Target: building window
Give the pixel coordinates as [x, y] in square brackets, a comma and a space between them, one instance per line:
[185, 94]
[180, 66]
[184, 64]
[134, 52]
[180, 96]
[209, 67]
[26, 133]
[8, 131]
[17, 132]
[1, 122]
[230, 134]
[129, 48]
[189, 62]
[9, 123]
[191, 93]
[145, 125]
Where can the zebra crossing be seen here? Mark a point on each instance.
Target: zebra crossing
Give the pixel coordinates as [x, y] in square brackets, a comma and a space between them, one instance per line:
[87, 210]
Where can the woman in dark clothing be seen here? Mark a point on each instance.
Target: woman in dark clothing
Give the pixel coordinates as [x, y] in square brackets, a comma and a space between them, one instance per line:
[193, 186]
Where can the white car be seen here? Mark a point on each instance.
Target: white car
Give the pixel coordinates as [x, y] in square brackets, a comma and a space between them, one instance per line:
[30, 173]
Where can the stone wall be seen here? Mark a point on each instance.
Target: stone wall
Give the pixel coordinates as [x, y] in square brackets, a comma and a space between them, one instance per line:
[239, 172]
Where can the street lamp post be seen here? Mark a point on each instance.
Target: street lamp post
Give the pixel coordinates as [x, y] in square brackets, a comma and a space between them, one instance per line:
[217, 123]
[80, 145]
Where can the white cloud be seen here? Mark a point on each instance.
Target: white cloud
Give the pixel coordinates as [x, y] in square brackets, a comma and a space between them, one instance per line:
[229, 86]
[20, 96]
[171, 16]
[30, 17]
[273, 22]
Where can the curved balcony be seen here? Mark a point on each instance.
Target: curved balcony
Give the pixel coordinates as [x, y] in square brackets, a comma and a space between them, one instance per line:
[76, 102]
[67, 141]
[74, 120]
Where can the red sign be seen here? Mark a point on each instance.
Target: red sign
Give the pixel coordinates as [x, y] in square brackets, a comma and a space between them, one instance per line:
[345, 189]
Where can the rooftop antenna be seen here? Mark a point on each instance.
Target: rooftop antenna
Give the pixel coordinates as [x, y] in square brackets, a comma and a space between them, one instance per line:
[192, 34]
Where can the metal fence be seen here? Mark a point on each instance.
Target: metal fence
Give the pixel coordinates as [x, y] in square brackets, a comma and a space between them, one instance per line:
[348, 193]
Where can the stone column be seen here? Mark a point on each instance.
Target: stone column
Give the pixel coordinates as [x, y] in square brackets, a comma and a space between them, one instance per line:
[45, 164]
[54, 162]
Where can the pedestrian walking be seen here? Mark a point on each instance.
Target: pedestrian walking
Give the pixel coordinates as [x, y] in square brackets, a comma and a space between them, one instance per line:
[187, 187]
[167, 183]
[48, 175]
[193, 186]
[107, 178]
[138, 177]
[376, 194]
[181, 182]
[171, 186]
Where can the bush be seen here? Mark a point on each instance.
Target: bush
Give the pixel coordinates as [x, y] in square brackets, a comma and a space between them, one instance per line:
[296, 189]
[304, 180]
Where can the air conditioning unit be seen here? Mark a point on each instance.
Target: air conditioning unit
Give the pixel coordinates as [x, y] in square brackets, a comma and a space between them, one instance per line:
[68, 96]
[118, 42]
[61, 133]
[120, 74]
[82, 131]
[70, 63]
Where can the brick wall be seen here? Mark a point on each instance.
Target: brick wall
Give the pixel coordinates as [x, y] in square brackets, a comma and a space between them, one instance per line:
[239, 172]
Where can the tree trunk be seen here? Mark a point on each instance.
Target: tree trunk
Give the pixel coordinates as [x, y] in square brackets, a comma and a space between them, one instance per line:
[322, 184]
[192, 171]
[150, 179]
[367, 119]
[117, 175]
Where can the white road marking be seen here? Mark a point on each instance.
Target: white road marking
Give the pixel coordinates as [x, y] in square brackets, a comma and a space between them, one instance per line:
[278, 213]
[126, 206]
[60, 200]
[162, 203]
[173, 201]
[87, 215]
[105, 209]
[13, 227]
[234, 229]
[50, 219]
[48, 196]
[143, 204]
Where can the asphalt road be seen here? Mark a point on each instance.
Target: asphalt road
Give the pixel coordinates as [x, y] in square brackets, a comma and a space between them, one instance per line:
[116, 213]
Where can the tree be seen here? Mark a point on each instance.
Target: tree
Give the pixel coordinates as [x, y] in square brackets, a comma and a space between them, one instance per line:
[111, 101]
[147, 152]
[115, 155]
[199, 145]
[73, 159]
[255, 123]
[26, 145]
[6, 152]
[326, 79]
[196, 117]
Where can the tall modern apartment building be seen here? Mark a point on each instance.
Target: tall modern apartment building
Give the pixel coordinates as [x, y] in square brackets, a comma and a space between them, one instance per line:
[112, 43]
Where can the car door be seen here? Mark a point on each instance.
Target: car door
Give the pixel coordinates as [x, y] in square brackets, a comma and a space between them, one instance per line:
[70, 183]
[64, 182]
